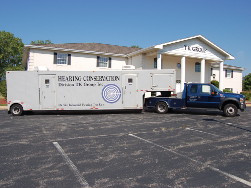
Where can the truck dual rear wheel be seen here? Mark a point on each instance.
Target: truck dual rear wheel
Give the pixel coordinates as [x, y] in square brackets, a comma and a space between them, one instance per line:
[16, 110]
[161, 108]
[230, 110]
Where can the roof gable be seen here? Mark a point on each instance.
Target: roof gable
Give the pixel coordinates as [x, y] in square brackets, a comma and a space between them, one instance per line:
[195, 44]
[198, 46]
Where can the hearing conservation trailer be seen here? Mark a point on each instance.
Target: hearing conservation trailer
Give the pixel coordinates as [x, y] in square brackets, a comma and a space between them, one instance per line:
[84, 90]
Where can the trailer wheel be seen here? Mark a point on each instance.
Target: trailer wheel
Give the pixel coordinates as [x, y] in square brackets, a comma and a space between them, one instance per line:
[161, 108]
[16, 110]
[230, 110]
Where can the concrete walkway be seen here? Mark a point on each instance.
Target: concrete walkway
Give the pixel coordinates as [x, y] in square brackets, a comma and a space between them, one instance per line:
[3, 107]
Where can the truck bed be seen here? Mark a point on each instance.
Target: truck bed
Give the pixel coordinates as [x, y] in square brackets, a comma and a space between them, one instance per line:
[171, 101]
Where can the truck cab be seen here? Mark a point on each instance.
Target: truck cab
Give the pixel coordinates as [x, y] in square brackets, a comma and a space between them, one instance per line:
[198, 95]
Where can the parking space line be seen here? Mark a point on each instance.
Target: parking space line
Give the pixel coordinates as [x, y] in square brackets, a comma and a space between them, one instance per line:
[68, 161]
[198, 162]
[202, 132]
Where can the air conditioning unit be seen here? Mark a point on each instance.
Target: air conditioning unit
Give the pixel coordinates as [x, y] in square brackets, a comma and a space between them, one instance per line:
[128, 67]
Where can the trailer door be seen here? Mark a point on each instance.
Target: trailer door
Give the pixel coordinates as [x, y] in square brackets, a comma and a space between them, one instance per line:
[163, 81]
[47, 92]
[130, 91]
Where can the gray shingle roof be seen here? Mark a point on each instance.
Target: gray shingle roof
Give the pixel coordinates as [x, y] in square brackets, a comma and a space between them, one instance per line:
[96, 47]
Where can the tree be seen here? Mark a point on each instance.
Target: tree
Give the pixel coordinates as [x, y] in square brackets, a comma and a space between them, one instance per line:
[11, 51]
[41, 42]
[247, 82]
[215, 83]
[134, 46]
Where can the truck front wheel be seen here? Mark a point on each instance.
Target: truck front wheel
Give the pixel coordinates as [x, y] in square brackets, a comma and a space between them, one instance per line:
[16, 110]
[230, 110]
[161, 108]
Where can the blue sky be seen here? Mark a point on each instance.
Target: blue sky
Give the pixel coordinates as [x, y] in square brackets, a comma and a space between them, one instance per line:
[226, 23]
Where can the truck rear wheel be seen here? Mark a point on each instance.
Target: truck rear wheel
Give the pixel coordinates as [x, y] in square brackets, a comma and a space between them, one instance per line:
[230, 110]
[161, 108]
[16, 110]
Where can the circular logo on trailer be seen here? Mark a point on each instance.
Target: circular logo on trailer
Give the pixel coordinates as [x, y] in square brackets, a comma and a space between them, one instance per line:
[111, 93]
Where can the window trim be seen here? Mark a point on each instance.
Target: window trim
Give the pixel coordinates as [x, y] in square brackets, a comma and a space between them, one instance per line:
[56, 59]
[197, 67]
[108, 62]
[229, 73]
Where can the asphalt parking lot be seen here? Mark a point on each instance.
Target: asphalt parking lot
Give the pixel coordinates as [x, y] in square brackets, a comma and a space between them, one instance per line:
[180, 149]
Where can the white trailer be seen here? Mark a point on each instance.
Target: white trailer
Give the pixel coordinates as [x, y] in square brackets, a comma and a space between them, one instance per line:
[84, 90]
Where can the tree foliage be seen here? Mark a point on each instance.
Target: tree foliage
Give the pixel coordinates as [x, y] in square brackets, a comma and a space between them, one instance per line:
[247, 82]
[11, 51]
[134, 46]
[41, 42]
[215, 83]
[3, 90]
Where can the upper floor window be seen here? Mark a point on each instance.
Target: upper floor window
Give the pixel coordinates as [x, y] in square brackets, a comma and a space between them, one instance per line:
[62, 59]
[229, 73]
[104, 61]
[197, 67]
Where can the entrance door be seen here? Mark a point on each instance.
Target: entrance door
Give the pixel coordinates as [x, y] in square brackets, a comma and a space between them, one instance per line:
[130, 91]
[47, 92]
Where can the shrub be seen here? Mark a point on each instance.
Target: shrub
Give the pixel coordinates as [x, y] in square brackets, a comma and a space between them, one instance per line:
[227, 91]
[247, 94]
[3, 89]
[215, 83]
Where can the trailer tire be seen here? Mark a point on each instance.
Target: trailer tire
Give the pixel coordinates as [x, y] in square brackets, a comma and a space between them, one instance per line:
[161, 108]
[16, 110]
[230, 110]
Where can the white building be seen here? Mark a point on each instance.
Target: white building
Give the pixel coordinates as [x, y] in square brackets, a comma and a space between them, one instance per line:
[232, 78]
[194, 59]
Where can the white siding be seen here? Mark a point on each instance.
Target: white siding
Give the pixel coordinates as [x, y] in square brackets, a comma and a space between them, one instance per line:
[79, 61]
[235, 83]
[137, 61]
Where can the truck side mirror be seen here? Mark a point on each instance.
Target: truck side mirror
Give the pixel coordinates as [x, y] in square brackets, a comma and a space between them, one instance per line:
[214, 93]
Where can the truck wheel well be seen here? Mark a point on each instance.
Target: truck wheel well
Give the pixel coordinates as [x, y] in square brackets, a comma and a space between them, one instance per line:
[229, 102]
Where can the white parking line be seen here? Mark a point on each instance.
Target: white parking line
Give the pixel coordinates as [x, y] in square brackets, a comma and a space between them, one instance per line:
[203, 164]
[202, 132]
[68, 161]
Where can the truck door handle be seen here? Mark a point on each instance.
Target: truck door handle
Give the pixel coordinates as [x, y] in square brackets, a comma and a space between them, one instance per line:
[155, 86]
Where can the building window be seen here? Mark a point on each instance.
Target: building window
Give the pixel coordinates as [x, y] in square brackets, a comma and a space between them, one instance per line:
[229, 73]
[62, 59]
[155, 63]
[197, 67]
[104, 62]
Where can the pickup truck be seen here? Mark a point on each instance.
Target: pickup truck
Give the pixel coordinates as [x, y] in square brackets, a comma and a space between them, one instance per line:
[198, 95]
